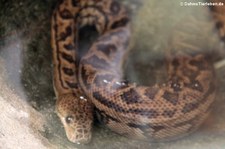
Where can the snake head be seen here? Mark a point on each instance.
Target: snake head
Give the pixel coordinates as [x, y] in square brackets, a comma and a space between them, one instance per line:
[76, 116]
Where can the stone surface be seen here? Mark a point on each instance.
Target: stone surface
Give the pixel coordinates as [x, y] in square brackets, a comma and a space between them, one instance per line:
[19, 122]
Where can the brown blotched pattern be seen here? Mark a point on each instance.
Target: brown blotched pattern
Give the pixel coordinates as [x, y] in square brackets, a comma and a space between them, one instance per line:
[158, 112]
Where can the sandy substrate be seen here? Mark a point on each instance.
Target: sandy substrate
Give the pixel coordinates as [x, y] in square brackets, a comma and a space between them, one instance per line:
[19, 122]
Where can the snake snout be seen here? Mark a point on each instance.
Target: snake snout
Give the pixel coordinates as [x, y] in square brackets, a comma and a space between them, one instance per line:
[79, 137]
[80, 141]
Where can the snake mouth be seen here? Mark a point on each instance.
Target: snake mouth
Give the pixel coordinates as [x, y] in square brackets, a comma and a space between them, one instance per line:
[79, 138]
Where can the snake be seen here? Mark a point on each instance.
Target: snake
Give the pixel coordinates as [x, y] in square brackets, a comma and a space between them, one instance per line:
[93, 83]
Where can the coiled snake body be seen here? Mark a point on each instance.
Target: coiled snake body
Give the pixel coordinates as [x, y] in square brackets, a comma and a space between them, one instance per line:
[158, 112]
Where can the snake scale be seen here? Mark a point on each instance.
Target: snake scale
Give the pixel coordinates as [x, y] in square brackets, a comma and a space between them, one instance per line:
[93, 82]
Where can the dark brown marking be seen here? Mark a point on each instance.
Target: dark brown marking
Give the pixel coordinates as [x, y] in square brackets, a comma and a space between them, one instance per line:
[190, 74]
[66, 14]
[157, 128]
[66, 34]
[58, 53]
[200, 64]
[69, 47]
[175, 63]
[84, 75]
[219, 24]
[142, 127]
[68, 58]
[175, 85]
[169, 113]
[151, 92]
[146, 113]
[75, 3]
[107, 49]
[189, 121]
[121, 23]
[131, 96]
[171, 97]
[72, 84]
[118, 108]
[190, 107]
[105, 118]
[115, 7]
[80, 130]
[211, 90]
[55, 26]
[195, 85]
[97, 62]
[146, 128]
[108, 103]
[68, 71]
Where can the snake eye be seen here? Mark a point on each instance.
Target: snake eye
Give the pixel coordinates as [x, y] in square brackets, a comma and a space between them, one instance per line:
[69, 119]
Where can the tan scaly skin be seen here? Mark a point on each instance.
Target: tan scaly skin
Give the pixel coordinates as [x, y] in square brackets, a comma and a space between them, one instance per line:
[153, 113]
